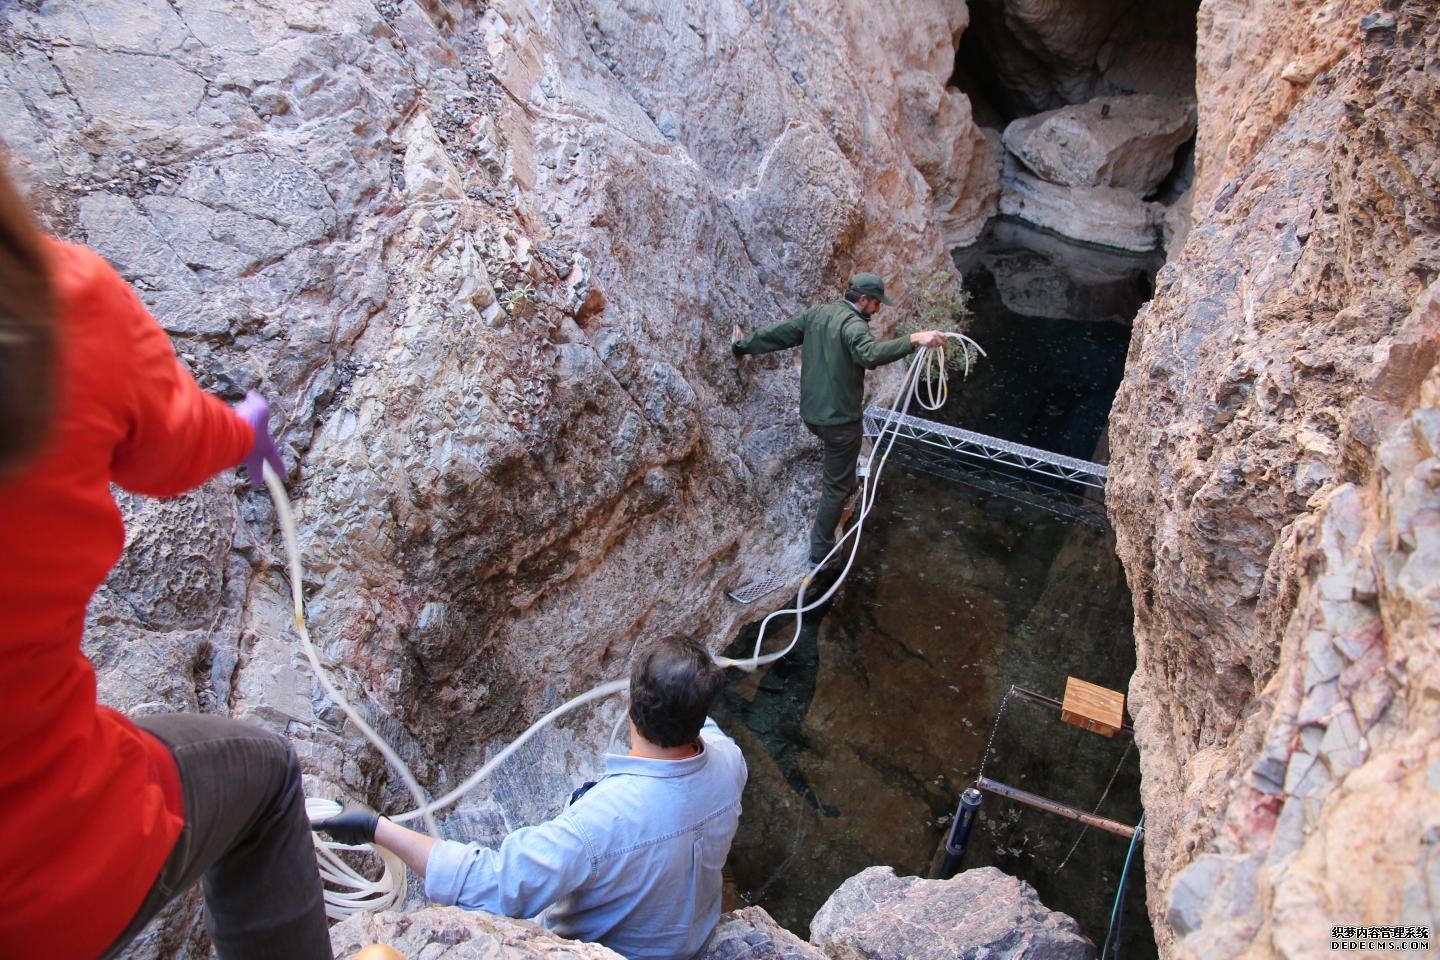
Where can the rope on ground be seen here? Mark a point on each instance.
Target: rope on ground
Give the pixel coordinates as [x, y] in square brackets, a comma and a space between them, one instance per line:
[347, 890]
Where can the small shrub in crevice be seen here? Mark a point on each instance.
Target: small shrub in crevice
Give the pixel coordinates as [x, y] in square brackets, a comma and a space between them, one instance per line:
[942, 303]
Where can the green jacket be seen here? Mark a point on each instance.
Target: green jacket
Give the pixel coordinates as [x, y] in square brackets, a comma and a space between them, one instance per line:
[838, 349]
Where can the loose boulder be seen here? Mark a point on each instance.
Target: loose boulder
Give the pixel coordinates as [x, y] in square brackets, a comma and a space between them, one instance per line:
[1124, 142]
[1100, 215]
[876, 915]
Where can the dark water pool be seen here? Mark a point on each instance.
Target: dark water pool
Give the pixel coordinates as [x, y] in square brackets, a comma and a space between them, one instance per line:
[1054, 319]
[860, 741]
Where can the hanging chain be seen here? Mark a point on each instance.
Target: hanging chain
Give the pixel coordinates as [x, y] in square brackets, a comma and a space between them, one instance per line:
[1123, 757]
[994, 726]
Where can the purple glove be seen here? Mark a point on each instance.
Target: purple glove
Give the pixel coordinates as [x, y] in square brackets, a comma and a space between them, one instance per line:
[255, 410]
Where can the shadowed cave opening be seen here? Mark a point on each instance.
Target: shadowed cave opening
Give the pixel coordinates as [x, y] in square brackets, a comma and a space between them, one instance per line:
[861, 741]
[1022, 57]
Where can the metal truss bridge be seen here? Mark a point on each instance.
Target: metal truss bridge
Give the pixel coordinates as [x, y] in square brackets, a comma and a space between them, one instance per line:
[1065, 486]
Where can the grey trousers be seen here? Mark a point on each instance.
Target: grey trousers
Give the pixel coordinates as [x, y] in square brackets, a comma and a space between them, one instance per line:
[246, 835]
[837, 481]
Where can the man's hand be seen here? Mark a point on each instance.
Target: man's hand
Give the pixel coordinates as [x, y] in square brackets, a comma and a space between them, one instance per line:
[928, 338]
[736, 335]
[352, 826]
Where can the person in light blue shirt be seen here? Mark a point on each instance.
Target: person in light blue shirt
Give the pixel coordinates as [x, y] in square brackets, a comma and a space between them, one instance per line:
[634, 862]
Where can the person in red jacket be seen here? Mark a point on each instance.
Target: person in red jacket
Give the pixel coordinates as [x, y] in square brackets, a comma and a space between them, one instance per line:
[106, 819]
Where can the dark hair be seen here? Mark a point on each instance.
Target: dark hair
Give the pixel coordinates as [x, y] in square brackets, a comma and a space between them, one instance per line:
[671, 688]
[28, 336]
[853, 295]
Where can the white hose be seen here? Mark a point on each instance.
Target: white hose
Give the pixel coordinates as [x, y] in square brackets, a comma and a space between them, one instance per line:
[347, 890]
[292, 550]
[358, 893]
[928, 364]
[595, 693]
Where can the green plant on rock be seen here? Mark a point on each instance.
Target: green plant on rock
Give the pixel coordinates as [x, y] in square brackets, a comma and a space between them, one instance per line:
[516, 300]
[942, 303]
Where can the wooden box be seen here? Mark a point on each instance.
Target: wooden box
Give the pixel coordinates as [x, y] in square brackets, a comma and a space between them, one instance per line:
[1092, 707]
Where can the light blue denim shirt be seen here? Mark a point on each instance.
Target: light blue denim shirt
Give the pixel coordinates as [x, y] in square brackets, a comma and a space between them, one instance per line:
[634, 864]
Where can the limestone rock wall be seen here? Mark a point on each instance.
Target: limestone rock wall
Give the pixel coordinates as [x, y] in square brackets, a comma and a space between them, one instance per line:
[1274, 489]
[1254, 62]
[449, 933]
[484, 258]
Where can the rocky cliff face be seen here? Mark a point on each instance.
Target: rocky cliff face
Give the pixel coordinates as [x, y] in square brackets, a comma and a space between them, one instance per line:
[484, 259]
[1275, 489]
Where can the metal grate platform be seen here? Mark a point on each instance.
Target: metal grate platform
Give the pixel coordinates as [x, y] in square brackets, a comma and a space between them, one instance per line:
[756, 589]
[1062, 485]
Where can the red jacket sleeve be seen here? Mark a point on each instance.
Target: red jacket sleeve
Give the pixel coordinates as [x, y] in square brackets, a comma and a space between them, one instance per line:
[179, 436]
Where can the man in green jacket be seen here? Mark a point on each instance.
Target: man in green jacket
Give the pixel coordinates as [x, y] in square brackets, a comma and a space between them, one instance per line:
[837, 349]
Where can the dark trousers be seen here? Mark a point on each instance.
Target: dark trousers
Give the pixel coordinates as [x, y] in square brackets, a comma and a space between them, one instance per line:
[837, 481]
[246, 837]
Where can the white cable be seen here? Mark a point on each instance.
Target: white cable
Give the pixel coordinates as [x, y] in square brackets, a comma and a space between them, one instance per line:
[356, 892]
[389, 889]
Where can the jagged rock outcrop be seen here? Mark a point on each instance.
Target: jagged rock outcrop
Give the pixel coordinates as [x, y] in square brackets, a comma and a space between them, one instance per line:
[449, 933]
[1254, 63]
[876, 915]
[1274, 487]
[484, 259]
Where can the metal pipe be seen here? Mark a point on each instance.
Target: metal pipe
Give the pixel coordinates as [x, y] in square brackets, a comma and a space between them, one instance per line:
[1039, 698]
[1054, 704]
[965, 815]
[1059, 809]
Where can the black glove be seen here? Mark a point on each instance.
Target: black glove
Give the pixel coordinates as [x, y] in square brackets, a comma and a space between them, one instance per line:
[352, 826]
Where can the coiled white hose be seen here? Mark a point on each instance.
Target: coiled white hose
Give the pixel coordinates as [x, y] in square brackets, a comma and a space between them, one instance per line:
[348, 891]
